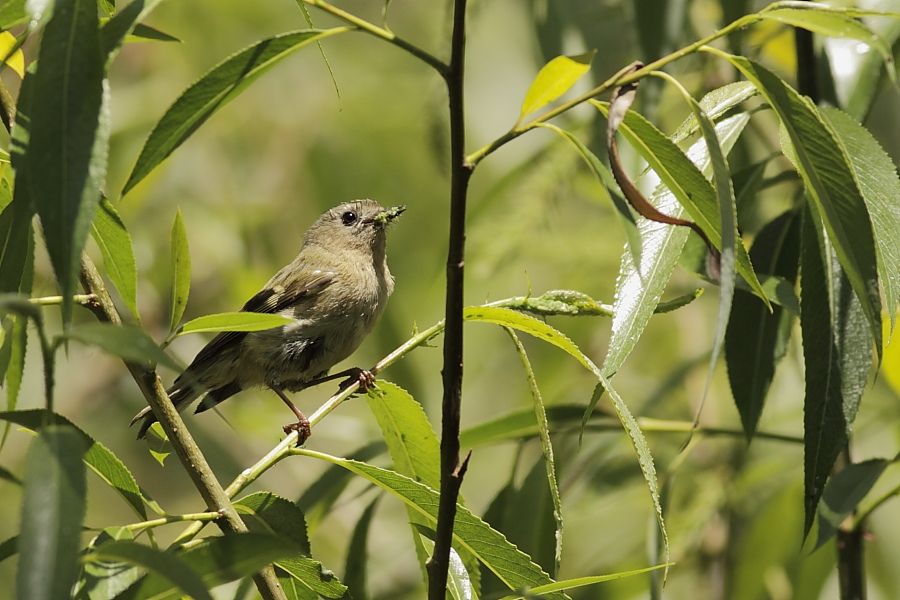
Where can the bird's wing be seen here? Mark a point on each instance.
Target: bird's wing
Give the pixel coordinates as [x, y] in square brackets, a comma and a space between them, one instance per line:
[271, 299]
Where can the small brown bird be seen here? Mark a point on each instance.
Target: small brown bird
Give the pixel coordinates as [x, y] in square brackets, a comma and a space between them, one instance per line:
[336, 289]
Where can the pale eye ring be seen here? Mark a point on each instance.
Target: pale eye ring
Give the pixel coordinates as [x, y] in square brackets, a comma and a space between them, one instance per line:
[349, 218]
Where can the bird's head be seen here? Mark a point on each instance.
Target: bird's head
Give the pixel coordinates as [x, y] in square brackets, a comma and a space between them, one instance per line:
[358, 225]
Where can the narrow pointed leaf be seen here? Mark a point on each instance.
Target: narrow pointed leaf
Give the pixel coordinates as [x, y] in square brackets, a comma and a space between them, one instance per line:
[213, 91]
[181, 271]
[837, 357]
[879, 185]
[97, 457]
[844, 492]
[114, 242]
[53, 507]
[511, 565]
[355, 570]
[534, 327]
[555, 79]
[125, 341]
[829, 181]
[756, 338]
[577, 582]
[639, 286]
[166, 565]
[715, 104]
[235, 321]
[686, 182]
[543, 424]
[16, 60]
[67, 122]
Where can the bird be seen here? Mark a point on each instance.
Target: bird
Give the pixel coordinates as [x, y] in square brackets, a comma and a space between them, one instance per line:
[335, 290]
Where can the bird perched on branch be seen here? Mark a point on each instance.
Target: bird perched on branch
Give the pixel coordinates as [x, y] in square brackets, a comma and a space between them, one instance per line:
[335, 289]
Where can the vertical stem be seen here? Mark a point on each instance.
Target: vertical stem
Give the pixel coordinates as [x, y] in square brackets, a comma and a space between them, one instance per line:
[460, 171]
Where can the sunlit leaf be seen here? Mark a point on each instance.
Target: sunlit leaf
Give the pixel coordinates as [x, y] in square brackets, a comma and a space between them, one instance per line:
[125, 341]
[311, 574]
[879, 185]
[276, 516]
[829, 182]
[716, 104]
[511, 565]
[16, 60]
[118, 255]
[235, 321]
[568, 584]
[180, 255]
[213, 91]
[555, 79]
[53, 507]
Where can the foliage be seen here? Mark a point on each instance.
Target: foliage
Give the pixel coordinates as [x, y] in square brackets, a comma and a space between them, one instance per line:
[755, 163]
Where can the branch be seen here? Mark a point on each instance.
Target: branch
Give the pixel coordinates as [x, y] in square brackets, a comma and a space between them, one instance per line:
[380, 32]
[460, 171]
[185, 447]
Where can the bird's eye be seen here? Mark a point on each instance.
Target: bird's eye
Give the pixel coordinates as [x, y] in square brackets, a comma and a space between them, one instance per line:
[349, 218]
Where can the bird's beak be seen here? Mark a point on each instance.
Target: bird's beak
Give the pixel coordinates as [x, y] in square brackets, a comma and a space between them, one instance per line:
[388, 215]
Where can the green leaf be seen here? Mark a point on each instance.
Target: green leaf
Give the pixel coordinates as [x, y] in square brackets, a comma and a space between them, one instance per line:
[12, 13]
[413, 447]
[213, 91]
[639, 287]
[829, 182]
[831, 24]
[235, 321]
[715, 104]
[555, 79]
[53, 507]
[145, 32]
[756, 339]
[181, 271]
[118, 255]
[9, 547]
[312, 575]
[115, 30]
[519, 424]
[7, 475]
[98, 457]
[129, 343]
[543, 424]
[837, 356]
[66, 121]
[355, 571]
[685, 180]
[16, 239]
[103, 579]
[165, 565]
[543, 331]
[568, 584]
[879, 185]
[319, 497]
[218, 560]
[15, 371]
[275, 515]
[511, 565]
[844, 492]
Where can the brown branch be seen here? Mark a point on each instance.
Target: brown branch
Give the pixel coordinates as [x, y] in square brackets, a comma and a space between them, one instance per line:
[185, 447]
[460, 171]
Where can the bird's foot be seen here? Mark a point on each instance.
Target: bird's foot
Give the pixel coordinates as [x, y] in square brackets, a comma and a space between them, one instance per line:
[364, 378]
[302, 428]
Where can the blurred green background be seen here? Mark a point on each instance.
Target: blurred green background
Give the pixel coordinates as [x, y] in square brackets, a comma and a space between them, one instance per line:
[255, 176]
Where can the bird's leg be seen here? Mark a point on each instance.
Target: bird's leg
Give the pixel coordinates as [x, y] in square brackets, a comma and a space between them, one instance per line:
[354, 375]
[301, 426]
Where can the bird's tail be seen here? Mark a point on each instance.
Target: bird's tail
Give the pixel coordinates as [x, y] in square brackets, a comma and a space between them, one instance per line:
[180, 395]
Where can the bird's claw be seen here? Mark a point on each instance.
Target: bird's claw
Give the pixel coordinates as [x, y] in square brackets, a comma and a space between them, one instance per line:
[364, 378]
[302, 428]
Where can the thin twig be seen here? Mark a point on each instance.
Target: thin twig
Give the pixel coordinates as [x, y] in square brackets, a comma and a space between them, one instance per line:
[184, 445]
[382, 33]
[452, 471]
